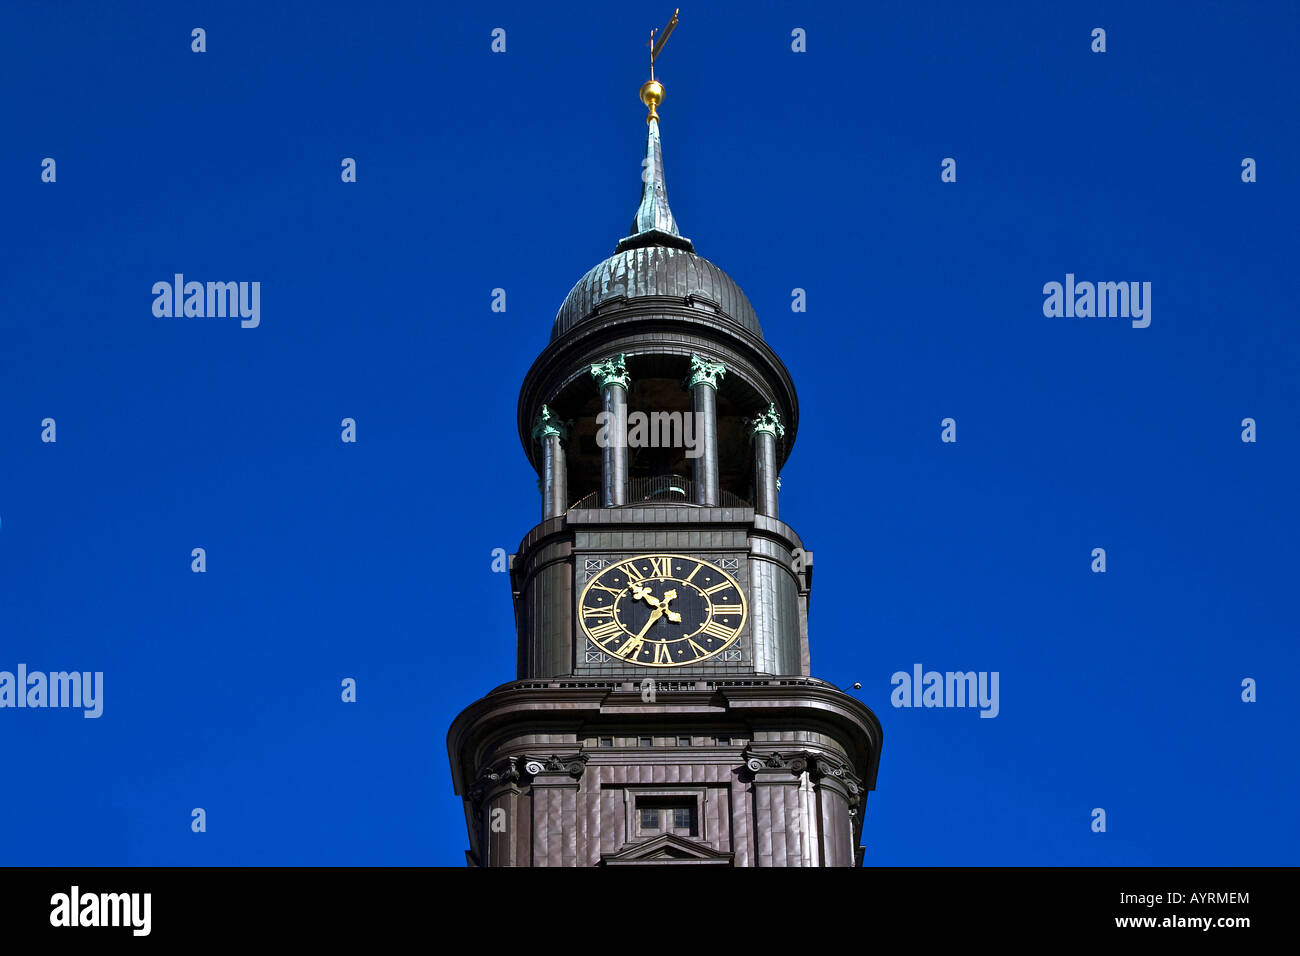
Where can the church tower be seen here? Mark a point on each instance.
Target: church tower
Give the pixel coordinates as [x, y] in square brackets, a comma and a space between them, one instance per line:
[664, 710]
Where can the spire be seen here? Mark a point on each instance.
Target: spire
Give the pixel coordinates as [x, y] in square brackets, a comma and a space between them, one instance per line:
[654, 224]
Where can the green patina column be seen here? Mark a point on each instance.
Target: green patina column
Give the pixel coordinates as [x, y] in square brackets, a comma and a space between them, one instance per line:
[766, 428]
[552, 433]
[612, 378]
[703, 383]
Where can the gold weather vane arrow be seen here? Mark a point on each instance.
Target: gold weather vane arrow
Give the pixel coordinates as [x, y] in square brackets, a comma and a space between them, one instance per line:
[657, 45]
[652, 91]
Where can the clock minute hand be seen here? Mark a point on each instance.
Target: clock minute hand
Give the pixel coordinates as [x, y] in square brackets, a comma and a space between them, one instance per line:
[656, 615]
[630, 649]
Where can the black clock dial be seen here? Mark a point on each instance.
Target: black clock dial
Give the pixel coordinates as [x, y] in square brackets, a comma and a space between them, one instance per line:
[662, 610]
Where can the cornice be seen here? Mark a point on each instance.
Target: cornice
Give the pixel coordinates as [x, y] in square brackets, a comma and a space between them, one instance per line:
[542, 704]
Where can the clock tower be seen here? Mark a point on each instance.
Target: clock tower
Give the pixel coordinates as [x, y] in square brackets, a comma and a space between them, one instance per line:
[664, 711]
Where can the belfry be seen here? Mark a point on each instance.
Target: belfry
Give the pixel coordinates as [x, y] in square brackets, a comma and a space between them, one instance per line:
[663, 710]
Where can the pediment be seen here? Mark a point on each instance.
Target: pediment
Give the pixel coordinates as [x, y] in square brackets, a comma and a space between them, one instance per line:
[667, 849]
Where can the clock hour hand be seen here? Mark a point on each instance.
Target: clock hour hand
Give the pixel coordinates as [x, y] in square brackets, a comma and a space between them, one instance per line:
[642, 593]
[672, 615]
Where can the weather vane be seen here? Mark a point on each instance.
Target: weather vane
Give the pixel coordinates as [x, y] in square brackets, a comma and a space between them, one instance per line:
[652, 91]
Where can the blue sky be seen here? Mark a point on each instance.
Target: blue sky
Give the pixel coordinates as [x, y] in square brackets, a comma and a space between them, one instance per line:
[520, 170]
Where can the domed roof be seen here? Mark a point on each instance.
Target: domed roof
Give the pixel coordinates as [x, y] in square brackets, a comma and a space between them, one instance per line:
[654, 259]
[655, 270]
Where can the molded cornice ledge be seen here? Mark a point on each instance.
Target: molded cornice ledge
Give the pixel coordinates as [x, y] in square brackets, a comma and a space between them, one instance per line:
[569, 703]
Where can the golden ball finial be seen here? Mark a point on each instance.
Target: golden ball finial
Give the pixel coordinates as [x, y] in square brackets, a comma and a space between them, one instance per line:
[652, 94]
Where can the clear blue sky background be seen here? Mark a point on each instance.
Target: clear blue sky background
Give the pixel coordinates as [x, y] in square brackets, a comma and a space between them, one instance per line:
[477, 171]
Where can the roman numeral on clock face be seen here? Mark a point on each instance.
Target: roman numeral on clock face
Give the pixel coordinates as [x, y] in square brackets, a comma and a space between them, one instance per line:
[661, 567]
[662, 655]
[604, 631]
[720, 609]
[632, 572]
[718, 587]
[714, 629]
[629, 650]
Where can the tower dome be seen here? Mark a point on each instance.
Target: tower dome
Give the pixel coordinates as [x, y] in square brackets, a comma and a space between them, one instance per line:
[654, 259]
[654, 270]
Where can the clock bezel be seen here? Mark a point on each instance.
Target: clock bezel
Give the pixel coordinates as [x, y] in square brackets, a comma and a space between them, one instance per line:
[617, 562]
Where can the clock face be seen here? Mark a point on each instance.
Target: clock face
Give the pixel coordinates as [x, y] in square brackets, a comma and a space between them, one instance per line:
[662, 610]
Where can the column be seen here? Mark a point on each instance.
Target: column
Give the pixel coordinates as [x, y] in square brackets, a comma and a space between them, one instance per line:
[703, 383]
[612, 378]
[839, 794]
[552, 433]
[555, 782]
[766, 429]
[779, 827]
[494, 798]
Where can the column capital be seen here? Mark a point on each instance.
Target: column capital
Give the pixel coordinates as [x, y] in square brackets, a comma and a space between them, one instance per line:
[548, 423]
[704, 372]
[836, 775]
[612, 371]
[570, 766]
[502, 773]
[830, 768]
[768, 421]
[777, 767]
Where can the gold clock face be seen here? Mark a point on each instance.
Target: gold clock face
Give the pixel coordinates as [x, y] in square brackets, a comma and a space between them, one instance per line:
[662, 610]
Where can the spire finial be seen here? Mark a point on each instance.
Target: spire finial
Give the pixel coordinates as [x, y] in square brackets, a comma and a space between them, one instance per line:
[652, 91]
[654, 224]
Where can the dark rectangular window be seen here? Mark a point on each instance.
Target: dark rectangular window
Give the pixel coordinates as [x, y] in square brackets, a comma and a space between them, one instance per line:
[647, 741]
[607, 741]
[683, 741]
[658, 814]
[724, 741]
